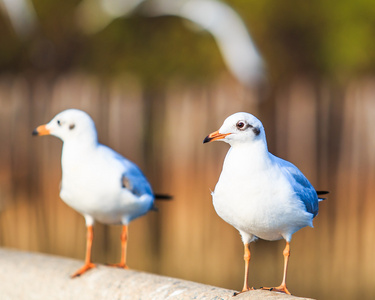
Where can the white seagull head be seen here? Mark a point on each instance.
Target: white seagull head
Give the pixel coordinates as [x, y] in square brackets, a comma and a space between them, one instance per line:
[240, 127]
[70, 125]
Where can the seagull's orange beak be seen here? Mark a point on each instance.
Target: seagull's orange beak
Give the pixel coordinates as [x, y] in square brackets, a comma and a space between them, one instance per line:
[41, 130]
[215, 136]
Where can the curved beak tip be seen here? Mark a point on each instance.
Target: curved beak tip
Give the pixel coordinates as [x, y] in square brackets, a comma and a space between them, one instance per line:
[35, 132]
[41, 130]
[215, 136]
[207, 139]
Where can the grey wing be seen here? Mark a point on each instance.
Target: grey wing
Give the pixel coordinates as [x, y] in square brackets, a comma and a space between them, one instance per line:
[302, 187]
[133, 179]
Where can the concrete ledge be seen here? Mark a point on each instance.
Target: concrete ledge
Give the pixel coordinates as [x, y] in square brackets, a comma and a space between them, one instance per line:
[25, 275]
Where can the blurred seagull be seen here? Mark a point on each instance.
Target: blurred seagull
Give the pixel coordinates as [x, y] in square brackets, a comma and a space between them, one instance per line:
[96, 181]
[230, 33]
[22, 16]
[237, 48]
[261, 195]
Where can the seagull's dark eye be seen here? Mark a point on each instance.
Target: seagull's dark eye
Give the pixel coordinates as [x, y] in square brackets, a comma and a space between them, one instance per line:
[59, 122]
[240, 125]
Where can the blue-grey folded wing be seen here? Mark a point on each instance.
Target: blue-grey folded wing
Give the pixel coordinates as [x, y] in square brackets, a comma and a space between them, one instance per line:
[301, 186]
[132, 177]
[134, 180]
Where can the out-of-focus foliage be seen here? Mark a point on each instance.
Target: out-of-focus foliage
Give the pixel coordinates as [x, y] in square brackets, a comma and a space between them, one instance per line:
[329, 38]
[153, 48]
[332, 38]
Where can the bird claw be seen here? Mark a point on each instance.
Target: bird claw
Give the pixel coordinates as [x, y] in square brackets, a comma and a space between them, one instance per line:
[83, 269]
[280, 289]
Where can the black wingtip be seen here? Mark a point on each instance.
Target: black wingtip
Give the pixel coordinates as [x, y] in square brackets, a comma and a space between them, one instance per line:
[163, 197]
[322, 192]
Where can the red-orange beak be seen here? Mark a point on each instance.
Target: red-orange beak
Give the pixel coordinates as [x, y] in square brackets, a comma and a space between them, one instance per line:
[41, 130]
[215, 136]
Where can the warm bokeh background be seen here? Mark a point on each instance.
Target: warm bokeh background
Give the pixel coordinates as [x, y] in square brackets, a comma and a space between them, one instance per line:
[156, 86]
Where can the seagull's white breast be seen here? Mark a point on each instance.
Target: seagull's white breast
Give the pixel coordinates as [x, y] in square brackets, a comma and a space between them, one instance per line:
[254, 196]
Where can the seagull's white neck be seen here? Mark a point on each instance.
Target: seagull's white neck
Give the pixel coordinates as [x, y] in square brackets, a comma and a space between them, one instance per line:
[74, 150]
[247, 156]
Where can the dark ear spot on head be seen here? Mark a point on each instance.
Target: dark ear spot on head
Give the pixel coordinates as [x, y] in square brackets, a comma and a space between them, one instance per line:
[256, 130]
[71, 126]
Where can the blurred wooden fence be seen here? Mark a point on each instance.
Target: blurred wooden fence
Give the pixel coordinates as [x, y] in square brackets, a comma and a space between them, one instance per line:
[326, 130]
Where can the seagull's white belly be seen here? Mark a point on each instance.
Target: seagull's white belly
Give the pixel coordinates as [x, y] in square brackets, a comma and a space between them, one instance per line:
[270, 211]
[108, 206]
[96, 200]
[99, 194]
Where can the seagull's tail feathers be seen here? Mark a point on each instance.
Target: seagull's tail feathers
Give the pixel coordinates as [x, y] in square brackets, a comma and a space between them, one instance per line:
[163, 197]
[321, 193]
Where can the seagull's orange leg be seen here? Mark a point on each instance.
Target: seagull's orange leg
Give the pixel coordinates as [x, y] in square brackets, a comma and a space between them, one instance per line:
[124, 243]
[88, 264]
[282, 287]
[246, 257]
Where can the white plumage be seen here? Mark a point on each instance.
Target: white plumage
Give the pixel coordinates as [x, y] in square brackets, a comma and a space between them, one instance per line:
[96, 181]
[261, 195]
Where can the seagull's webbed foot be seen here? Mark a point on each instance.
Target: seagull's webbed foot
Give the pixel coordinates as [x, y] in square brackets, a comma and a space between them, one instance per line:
[119, 265]
[243, 291]
[280, 288]
[83, 269]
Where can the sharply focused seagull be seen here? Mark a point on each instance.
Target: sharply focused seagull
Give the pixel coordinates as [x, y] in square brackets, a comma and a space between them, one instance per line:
[259, 194]
[96, 181]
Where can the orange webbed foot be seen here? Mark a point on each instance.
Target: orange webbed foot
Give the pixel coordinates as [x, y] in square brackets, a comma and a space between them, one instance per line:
[83, 269]
[280, 289]
[119, 265]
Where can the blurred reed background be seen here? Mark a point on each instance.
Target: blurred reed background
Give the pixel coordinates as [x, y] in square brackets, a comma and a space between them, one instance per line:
[154, 97]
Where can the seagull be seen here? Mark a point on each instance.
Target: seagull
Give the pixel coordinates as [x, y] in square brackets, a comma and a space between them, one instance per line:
[261, 195]
[227, 28]
[96, 181]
